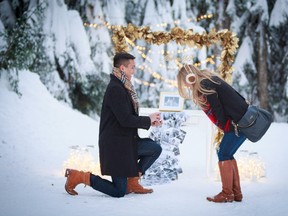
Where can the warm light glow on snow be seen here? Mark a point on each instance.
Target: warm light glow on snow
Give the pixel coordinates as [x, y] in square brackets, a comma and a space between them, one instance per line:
[81, 159]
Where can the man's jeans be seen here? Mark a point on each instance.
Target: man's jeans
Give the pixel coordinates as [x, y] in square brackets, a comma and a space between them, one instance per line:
[229, 145]
[148, 152]
[116, 188]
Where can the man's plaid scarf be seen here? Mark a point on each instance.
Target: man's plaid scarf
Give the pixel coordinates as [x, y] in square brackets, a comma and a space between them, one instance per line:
[128, 85]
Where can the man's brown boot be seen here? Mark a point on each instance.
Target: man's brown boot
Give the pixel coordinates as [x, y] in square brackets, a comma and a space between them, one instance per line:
[133, 186]
[226, 173]
[75, 177]
[236, 183]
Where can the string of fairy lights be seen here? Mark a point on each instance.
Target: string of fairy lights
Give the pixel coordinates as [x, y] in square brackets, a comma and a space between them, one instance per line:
[167, 55]
[144, 67]
[108, 25]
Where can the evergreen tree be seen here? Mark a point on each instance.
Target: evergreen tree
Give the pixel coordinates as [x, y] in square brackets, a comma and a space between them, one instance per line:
[278, 67]
[264, 69]
[24, 39]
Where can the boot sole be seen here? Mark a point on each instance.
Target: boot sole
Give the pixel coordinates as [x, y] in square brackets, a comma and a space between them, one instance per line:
[136, 192]
[143, 192]
[224, 201]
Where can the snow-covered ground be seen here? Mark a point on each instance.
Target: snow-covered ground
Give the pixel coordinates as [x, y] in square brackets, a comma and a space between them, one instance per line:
[38, 133]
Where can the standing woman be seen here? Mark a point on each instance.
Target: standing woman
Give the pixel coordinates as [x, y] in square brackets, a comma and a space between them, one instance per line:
[223, 105]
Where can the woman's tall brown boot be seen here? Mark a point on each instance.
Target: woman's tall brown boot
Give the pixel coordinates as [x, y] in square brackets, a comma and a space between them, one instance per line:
[133, 186]
[226, 173]
[236, 183]
[75, 177]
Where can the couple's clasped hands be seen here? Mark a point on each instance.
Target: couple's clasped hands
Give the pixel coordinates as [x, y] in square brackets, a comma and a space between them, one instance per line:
[155, 119]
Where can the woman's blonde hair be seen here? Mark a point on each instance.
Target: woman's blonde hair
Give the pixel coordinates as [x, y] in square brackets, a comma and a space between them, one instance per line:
[195, 92]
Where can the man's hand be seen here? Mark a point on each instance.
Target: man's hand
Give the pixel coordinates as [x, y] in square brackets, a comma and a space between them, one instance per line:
[155, 119]
[157, 123]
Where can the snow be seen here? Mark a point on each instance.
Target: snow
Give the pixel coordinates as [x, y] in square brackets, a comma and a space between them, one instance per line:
[166, 12]
[38, 133]
[279, 13]
[99, 38]
[115, 12]
[98, 34]
[243, 57]
[56, 23]
[3, 43]
[261, 7]
[151, 16]
[69, 37]
[179, 10]
[80, 42]
[231, 10]
[7, 14]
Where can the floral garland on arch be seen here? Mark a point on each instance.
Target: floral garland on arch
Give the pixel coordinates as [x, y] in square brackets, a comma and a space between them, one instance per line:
[228, 40]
